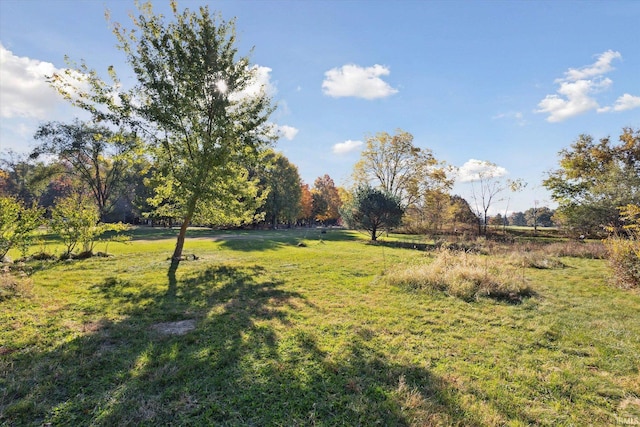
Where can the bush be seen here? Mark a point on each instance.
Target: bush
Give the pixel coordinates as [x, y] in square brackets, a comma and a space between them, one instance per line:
[624, 249]
[624, 259]
[465, 276]
[17, 224]
[75, 220]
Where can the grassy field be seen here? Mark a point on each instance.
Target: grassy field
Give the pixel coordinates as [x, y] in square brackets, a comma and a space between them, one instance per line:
[301, 328]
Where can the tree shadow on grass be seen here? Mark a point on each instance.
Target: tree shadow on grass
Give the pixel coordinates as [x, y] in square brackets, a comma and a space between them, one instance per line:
[274, 239]
[163, 233]
[247, 362]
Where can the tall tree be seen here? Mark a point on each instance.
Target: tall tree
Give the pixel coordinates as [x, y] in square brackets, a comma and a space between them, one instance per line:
[372, 210]
[518, 218]
[460, 213]
[538, 216]
[191, 82]
[395, 165]
[326, 200]
[195, 103]
[306, 204]
[487, 186]
[594, 179]
[281, 180]
[95, 154]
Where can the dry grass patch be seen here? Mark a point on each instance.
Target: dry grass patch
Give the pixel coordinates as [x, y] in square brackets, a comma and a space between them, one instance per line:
[576, 249]
[536, 259]
[463, 275]
[624, 260]
[12, 286]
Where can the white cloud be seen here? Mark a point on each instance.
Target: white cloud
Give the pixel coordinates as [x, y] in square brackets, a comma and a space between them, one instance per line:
[24, 90]
[346, 147]
[516, 116]
[359, 82]
[575, 95]
[623, 103]
[627, 102]
[600, 67]
[575, 98]
[287, 132]
[473, 169]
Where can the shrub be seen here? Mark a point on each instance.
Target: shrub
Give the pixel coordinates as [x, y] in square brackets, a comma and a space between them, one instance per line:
[624, 249]
[372, 210]
[465, 276]
[624, 259]
[17, 224]
[75, 220]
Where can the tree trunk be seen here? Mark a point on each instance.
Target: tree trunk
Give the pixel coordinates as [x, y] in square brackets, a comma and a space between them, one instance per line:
[177, 253]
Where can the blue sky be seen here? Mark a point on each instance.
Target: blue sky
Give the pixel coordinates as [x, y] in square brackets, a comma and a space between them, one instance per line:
[510, 82]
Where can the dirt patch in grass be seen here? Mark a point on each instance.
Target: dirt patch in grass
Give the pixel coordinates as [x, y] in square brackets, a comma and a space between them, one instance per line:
[175, 328]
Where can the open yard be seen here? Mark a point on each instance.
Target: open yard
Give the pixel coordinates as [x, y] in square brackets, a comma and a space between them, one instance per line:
[295, 327]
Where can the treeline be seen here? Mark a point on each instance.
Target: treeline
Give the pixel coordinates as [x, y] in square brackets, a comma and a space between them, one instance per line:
[532, 217]
[118, 175]
[115, 173]
[121, 186]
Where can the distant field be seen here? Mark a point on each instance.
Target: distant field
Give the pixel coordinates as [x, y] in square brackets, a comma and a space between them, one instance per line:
[299, 327]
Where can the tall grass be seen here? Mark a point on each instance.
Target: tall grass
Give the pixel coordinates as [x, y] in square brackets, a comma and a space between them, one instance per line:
[624, 248]
[463, 275]
[624, 260]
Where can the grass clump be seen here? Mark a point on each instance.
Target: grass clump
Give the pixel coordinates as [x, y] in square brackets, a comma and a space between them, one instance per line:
[13, 287]
[535, 259]
[577, 249]
[463, 275]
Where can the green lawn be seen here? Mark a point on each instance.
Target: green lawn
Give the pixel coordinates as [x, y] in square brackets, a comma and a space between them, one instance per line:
[295, 327]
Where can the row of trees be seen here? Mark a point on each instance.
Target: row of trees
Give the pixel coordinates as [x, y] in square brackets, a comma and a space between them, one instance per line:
[122, 189]
[78, 192]
[533, 217]
[594, 182]
[119, 176]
